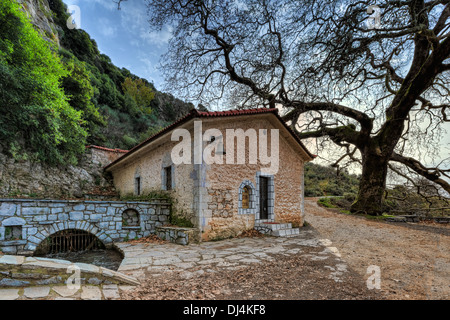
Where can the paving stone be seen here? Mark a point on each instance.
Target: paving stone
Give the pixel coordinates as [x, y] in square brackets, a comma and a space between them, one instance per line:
[9, 294]
[36, 292]
[64, 291]
[184, 265]
[111, 292]
[166, 261]
[127, 288]
[250, 260]
[91, 293]
[15, 260]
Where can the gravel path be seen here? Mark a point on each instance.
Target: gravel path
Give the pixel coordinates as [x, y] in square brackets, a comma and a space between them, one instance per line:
[414, 258]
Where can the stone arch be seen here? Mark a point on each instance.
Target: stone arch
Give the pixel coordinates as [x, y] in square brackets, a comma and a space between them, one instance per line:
[247, 185]
[46, 231]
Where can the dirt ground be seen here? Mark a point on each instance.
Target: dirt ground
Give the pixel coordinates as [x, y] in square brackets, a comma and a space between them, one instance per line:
[414, 258]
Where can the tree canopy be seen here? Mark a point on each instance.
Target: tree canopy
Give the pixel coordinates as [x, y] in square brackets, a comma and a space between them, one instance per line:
[371, 77]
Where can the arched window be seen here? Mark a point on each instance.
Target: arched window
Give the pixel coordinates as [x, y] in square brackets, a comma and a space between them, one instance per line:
[247, 201]
[130, 218]
[246, 197]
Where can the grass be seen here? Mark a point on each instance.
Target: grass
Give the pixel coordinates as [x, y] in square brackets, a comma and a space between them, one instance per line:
[180, 221]
[343, 206]
[326, 202]
[152, 195]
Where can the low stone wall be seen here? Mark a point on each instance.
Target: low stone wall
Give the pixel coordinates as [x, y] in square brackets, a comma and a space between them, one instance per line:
[19, 271]
[25, 223]
[178, 235]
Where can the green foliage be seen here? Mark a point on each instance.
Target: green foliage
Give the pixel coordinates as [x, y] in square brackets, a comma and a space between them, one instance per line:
[326, 202]
[128, 105]
[404, 200]
[324, 181]
[150, 132]
[37, 120]
[180, 221]
[79, 90]
[129, 142]
[53, 102]
[149, 196]
[139, 92]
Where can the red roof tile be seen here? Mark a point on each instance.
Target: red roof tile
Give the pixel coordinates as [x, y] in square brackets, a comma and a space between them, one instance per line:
[107, 149]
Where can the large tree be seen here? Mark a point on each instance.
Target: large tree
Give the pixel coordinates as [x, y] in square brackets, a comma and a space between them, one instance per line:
[372, 77]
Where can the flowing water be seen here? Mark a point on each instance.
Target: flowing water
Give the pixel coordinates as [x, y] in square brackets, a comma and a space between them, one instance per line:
[106, 258]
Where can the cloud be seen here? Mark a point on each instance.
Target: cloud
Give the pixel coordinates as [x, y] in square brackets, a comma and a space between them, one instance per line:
[106, 27]
[134, 19]
[107, 4]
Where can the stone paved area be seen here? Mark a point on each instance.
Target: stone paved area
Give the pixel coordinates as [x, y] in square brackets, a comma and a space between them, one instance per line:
[144, 260]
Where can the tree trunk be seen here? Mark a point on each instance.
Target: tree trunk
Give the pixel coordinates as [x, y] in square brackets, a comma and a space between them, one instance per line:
[372, 184]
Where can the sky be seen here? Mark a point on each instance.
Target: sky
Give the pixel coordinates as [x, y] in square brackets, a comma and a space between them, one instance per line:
[124, 35]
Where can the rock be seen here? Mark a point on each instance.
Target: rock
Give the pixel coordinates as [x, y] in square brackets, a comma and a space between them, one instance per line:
[9, 294]
[95, 281]
[64, 291]
[6, 282]
[7, 209]
[36, 292]
[91, 293]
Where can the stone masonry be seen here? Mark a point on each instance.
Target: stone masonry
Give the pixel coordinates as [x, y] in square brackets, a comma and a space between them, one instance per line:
[25, 223]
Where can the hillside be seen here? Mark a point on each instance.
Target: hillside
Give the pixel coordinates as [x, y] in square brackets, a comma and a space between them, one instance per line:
[326, 181]
[59, 93]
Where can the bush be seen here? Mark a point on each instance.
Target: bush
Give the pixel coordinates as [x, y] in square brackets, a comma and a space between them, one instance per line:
[351, 197]
[37, 121]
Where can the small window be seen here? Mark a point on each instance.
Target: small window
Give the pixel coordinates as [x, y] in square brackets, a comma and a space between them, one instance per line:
[13, 233]
[246, 198]
[168, 177]
[130, 218]
[138, 185]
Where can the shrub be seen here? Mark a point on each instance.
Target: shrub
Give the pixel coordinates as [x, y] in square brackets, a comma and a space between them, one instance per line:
[36, 116]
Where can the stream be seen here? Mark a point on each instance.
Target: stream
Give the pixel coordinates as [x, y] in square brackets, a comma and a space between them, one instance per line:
[106, 258]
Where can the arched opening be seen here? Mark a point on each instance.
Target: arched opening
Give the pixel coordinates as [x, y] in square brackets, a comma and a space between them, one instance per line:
[246, 197]
[130, 218]
[77, 245]
[70, 240]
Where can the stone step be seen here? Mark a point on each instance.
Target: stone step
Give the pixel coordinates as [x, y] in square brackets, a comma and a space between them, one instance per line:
[274, 226]
[291, 232]
[276, 229]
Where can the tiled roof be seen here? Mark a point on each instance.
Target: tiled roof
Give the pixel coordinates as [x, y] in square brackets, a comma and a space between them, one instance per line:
[235, 112]
[194, 113]
[107, 149]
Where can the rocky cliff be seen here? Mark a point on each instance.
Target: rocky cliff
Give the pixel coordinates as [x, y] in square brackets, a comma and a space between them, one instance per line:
[42, 18]
[26, 179]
